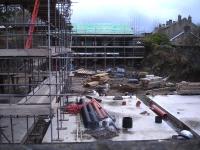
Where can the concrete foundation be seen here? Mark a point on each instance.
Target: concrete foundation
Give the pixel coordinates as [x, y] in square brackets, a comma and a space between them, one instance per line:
[184, 108]
[144, 126]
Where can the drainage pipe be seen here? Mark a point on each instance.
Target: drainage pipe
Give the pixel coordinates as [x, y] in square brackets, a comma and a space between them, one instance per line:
[158, 111]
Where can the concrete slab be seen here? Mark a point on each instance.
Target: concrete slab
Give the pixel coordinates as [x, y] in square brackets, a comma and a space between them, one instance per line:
[144, 126]
[23, 52]
[69, 125]
[185, 108]
[68, 130]
[6, 109]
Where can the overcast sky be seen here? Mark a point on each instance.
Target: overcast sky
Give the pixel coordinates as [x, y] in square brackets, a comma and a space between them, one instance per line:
[140, 14]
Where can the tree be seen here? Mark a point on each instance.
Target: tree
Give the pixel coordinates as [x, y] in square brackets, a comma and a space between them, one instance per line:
[6, 12]
[157, 38]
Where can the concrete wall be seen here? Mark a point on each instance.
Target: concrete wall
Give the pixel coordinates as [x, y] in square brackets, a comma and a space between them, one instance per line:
[110, 145]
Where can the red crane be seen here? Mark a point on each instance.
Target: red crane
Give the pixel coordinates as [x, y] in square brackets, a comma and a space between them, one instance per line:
[32, 24]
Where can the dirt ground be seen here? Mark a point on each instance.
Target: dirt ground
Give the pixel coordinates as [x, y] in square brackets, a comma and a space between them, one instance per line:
[118, 88]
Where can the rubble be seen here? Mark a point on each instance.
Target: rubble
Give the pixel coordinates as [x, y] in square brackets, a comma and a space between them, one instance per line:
[117, 72]
[91, 84]
[128, 88]
[102, 133]
[103, 89]
[151, 81]
[188, 88]
[138, 75]
[137, 83]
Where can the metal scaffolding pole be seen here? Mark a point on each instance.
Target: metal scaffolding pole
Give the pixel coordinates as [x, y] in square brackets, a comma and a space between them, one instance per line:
[50, 73]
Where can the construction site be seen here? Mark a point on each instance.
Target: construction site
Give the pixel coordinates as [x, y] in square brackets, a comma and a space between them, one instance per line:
[67, 87]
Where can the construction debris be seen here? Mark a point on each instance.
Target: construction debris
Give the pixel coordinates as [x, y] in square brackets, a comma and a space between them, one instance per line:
[145, 113]
[117, 72]
[128, 87]
[83, 72]
[102, 89]
[91, 84]
[188, 88]
[139, 81]
[97, 79]
[152, 81]
[138, 75]
[102, 133]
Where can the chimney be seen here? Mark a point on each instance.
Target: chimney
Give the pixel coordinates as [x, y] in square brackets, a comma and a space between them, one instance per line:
[167, 23]
[189, 19]
[170, 22]
[179, 18]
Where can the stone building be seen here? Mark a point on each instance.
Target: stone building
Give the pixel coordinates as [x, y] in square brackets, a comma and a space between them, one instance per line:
[180, 32]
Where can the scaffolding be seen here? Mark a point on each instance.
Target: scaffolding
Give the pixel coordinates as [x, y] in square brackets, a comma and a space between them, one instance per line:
[106, 45]
[35, 41]
[97, 51]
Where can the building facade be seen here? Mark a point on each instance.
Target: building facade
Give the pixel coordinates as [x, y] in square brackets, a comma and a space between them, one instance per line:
[101, 46]
[107, 49]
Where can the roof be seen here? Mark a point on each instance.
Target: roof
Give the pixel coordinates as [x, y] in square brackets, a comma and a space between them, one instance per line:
[102, 28]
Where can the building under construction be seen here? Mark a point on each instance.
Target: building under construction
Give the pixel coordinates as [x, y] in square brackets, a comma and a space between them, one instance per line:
[106, 45]
[35, 38]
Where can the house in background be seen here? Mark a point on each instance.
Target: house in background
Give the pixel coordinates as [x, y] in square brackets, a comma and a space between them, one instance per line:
[182, 32]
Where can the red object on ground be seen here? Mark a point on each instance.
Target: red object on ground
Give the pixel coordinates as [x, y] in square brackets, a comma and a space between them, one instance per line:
[76, 108]
[99, 113]
[105, 115]
[138, 103]
[103, 112]
[32, 24]
[73, 108]
[158, 111]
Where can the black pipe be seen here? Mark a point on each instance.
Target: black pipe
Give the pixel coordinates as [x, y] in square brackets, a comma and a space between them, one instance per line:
[85, 115]
[93, 116]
